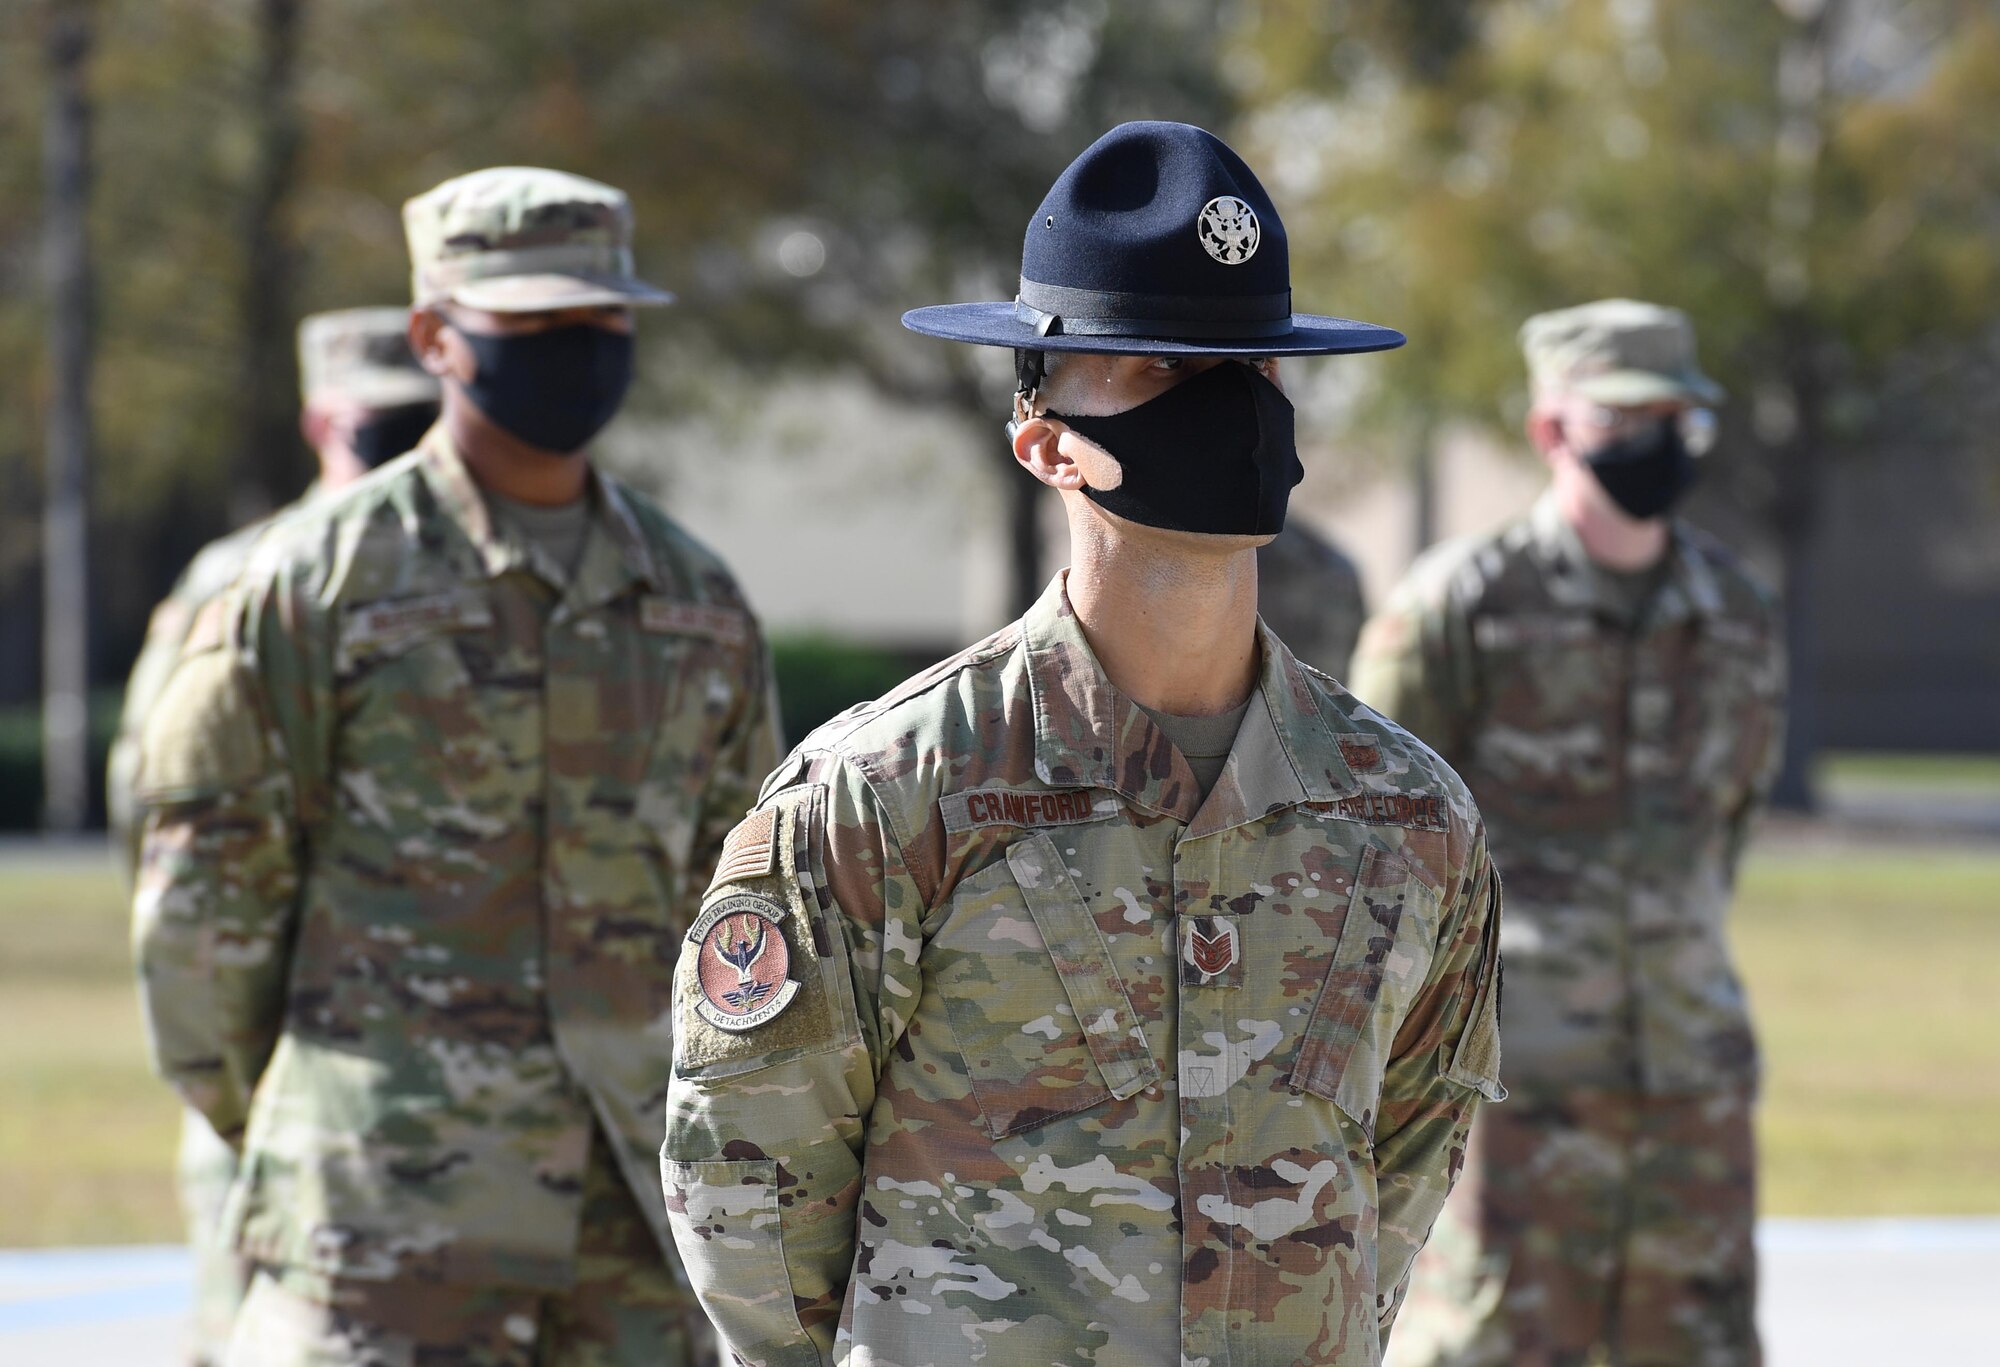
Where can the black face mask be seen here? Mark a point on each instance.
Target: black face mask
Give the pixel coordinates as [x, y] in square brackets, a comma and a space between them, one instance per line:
[388, 432]
[1214, 454]
[554, 390]
[1646, 473]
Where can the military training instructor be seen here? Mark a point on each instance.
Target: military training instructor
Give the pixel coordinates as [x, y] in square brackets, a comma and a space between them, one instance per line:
[1120, 989]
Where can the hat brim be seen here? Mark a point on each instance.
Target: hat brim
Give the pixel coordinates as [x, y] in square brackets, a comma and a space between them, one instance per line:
[997, 324]
[545, 293]
[1636, 388]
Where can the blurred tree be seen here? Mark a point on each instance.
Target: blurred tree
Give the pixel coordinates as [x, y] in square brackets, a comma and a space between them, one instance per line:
[66, 503]
[262, 476]
[802, 171]
[1815, 181]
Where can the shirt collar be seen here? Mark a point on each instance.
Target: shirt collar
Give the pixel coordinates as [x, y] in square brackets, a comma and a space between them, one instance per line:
[1088, 734]
[614, 556]
[1574, 580]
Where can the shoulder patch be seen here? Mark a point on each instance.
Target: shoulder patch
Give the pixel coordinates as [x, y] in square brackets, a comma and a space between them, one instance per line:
[1026, 808]
[760, 979]
[745, 962]
[203, 736]
[1418, 811]
[677, 617]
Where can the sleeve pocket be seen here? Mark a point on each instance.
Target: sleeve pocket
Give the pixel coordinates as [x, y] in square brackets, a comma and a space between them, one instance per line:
[1475, 1062]
[726, 1224]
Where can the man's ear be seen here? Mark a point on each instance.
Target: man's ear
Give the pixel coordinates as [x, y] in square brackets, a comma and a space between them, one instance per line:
[1545, 431]
[314, 424]
[429, 344]
[1038, 447]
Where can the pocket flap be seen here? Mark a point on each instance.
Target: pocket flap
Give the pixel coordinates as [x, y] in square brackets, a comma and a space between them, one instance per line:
[1354, 1023]
[1083, 962]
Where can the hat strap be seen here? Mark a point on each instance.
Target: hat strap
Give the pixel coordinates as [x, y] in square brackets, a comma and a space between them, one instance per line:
[1066, 310]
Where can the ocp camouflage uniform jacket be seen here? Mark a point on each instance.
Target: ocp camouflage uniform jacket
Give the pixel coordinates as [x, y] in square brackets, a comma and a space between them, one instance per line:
[1618, 761]
[213, 569]
[418, 928]
[1075, 1065]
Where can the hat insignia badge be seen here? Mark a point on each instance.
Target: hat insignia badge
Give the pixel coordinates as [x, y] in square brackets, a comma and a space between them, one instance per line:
[1229, 230]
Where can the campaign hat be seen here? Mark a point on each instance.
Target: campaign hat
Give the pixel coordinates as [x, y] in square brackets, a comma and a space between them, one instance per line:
[1157, 240]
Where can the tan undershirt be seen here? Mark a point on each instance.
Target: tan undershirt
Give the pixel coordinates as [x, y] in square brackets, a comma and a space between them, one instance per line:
[559, 530]
[1203, 741]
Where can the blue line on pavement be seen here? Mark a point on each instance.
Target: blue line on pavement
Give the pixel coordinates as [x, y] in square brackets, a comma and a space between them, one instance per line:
[145, 1300]
[29, 1267]
[1895, 1234]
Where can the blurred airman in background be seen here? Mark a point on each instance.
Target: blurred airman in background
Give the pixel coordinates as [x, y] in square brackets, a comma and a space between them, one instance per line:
[364, 400]
[1610, 682]
[409, 940]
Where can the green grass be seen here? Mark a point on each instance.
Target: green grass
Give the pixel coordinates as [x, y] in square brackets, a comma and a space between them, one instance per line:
[1866, 773]
[1875, 976]
[1874, 970]
[87, 1134]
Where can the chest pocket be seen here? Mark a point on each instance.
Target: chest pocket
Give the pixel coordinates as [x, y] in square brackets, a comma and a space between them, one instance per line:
[404, 689]
[1383, 957]
[1735, 710]
[1040, 1014]
[1551, 686]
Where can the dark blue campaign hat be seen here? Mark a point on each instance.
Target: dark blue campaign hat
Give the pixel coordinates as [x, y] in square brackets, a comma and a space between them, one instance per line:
[1158, 241]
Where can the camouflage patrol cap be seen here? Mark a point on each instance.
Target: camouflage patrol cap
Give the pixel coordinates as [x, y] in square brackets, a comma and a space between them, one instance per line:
[1617, 351]
[516, 239]
[363, 355]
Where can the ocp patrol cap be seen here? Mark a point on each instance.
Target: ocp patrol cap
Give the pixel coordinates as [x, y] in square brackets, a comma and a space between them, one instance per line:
[1621, 352]
[518, 239]
[1157, 240]
[362, 355]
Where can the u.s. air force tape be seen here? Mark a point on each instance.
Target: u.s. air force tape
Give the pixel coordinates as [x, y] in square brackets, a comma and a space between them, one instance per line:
[744, 965]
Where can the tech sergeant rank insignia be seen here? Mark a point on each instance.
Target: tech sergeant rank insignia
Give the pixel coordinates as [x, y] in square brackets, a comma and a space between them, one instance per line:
[744, 962]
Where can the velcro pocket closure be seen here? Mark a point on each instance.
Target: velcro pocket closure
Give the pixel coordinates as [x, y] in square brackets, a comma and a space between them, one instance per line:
[205, 735]
[794, 997]
[1383, 955]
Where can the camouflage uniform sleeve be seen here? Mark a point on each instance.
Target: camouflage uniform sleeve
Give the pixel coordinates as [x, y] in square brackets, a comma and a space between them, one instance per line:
[165, 630]
[748, 752]
[1446, 1058]
[1414, 665]
[1776, 668]
[218, 880]
[767, 1112]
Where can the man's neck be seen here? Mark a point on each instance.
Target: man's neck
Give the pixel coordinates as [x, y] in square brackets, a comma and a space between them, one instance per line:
[1174, 632]
[1612, 540]
[504, 464]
